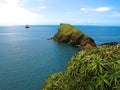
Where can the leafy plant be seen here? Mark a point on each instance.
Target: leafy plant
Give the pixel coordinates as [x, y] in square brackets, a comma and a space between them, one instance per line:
[97, 69]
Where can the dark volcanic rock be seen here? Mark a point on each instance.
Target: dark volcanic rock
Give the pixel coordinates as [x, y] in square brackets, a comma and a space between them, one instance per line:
[111, 43]
[69, 34]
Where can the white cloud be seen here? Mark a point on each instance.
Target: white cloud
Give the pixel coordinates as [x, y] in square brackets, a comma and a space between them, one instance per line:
[99, 9]
[12, 14]
[38, 8]
[42, 7]
[84, 10]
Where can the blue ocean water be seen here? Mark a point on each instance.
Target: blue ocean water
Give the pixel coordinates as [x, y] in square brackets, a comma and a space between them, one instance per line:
[27, 58]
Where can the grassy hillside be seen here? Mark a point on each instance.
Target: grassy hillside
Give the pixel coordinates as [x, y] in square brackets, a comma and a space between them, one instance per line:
[67, 31]
[97, 69]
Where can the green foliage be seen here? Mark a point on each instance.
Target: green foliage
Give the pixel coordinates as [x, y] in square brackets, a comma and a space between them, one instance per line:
[67, 30]
[97, 69]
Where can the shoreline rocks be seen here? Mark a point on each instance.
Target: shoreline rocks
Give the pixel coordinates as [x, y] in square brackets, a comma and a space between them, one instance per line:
[110, 43]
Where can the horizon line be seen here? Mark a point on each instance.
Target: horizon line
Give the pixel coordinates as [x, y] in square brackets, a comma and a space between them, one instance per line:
[59, 24]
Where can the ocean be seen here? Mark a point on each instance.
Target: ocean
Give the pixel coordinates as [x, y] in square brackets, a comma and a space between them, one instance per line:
[27, 58]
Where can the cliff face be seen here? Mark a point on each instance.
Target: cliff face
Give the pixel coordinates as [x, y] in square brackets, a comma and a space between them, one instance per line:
[69, 34]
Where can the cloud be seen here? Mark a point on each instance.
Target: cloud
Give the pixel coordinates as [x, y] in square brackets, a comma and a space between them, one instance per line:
[84, 10]
[11, 13]
[38, 8]
[101, 9]
[98, 9]
[42, 7]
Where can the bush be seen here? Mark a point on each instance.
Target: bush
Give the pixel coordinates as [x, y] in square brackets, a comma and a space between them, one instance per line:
[97, 69]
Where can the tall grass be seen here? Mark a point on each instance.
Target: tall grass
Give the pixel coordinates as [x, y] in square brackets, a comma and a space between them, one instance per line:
[97, 69]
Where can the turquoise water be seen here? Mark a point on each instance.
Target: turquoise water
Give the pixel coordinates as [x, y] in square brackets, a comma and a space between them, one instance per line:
[27, 57]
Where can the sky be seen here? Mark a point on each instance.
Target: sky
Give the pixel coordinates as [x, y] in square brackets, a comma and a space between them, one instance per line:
[54, 12]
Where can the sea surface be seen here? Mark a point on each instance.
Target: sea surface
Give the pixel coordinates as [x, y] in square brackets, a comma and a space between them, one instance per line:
[27, 58]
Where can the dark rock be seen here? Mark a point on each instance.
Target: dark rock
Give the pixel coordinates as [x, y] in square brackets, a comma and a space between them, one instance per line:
[110, 43]
[69, 34]
[49, 38]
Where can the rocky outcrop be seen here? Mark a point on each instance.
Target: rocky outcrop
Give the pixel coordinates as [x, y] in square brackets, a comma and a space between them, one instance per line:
[69, 34]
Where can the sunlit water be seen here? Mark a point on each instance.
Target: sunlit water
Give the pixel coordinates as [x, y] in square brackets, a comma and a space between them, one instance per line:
[27, 58]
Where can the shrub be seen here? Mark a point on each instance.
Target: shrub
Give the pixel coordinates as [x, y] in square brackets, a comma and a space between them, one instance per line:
[97, 69]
